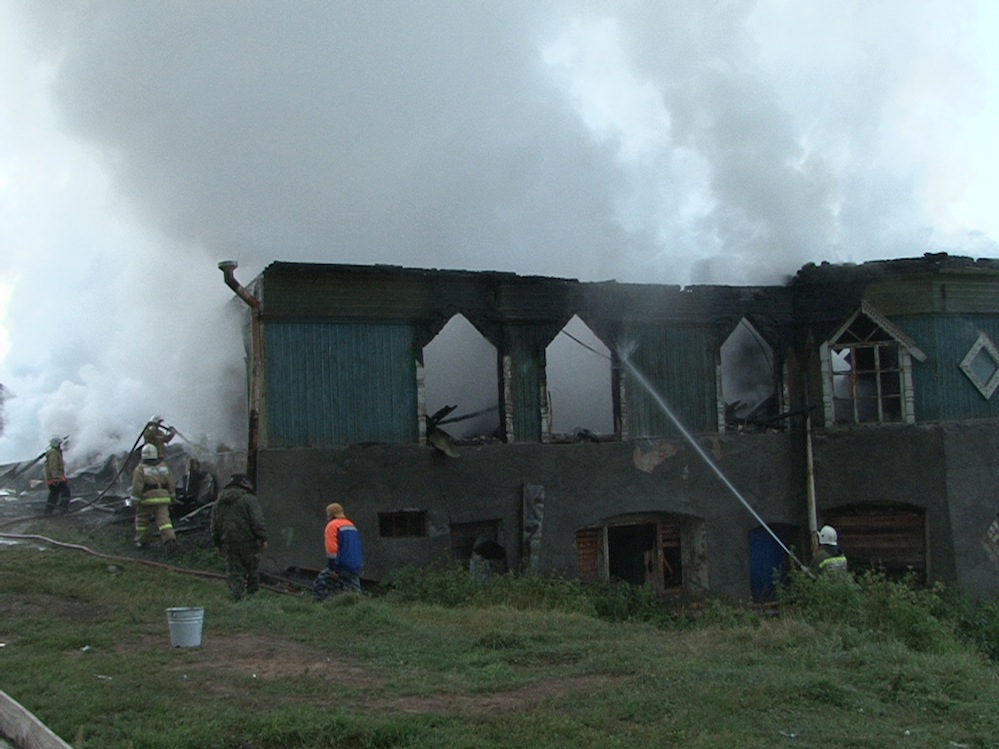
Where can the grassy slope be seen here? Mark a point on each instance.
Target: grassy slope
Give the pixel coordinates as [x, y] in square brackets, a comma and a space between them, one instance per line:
[86, 648]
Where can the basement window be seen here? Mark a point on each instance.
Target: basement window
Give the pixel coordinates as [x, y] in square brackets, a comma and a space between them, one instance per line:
[867, 371]
[486, 535]
[402, 524]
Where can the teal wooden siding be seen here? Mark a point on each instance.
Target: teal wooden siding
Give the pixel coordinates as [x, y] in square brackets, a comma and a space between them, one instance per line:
[680, 363]
[942, 390]
[525, 387]
[339, 383]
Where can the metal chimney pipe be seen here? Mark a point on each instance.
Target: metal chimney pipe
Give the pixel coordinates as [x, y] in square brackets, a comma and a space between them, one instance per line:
[228, 267]
[256, 364]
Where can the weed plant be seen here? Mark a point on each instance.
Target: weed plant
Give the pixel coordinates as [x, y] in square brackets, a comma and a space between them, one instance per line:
[527, 661]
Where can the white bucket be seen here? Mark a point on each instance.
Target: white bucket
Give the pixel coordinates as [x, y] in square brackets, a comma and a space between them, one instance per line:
[185, 626]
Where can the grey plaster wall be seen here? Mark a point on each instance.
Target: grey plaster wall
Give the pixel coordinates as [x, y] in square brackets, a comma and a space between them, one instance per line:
[585, 484]
[972, 453]
[897, 464]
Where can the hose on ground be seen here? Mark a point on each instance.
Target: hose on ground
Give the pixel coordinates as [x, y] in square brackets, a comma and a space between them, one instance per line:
[133, 560]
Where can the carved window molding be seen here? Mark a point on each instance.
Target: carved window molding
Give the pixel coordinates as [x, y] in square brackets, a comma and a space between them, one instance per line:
[981, 365]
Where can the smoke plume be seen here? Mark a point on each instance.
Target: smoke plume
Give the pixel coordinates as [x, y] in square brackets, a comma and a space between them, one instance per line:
[682, 142]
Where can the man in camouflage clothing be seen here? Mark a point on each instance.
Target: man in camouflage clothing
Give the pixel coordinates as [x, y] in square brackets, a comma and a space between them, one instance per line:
[239, 534]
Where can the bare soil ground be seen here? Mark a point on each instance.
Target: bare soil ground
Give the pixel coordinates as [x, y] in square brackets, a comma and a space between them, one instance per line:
[223, 665]
[234, 659]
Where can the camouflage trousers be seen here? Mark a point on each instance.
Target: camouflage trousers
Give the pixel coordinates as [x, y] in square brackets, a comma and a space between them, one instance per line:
[327, 583]
[242, 565]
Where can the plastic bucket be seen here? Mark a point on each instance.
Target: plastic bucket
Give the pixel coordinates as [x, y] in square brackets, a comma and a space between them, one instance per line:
[185, 626]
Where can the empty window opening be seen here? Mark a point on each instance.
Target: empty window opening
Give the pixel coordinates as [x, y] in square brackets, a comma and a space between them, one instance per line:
[887, 538]
[402, 524]
[580, 390]
[749, 380]
[481, 541]
[461, 382]
[665, 552]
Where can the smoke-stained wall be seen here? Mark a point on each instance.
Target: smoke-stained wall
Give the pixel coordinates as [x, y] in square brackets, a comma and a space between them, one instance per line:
[585, 484]
[906, 494]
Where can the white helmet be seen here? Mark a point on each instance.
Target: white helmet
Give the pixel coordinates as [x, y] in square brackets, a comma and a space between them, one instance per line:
[149, 452]
[55, 441]
[827, 536]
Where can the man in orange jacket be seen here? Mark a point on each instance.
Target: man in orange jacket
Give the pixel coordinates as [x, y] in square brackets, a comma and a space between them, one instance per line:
[344, 559]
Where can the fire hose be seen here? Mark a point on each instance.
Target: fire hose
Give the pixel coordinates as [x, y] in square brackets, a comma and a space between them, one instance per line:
[133, 560]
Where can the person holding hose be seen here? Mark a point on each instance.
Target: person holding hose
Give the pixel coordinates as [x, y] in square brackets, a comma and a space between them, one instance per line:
[55, 477]
[344, 559]
[829, 557]
[155, 433]
[152, 492]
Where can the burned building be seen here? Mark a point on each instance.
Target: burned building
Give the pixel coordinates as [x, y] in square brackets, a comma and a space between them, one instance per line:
[729, 421]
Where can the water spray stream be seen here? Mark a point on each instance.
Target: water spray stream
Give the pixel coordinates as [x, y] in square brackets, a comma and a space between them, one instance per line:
[623, 355]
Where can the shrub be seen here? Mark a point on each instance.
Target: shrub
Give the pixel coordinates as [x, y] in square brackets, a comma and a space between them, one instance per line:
[441, 586]
[872, 603]
[534, 591]
[974, 622]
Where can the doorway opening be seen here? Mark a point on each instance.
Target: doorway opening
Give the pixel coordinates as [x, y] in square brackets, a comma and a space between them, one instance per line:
[665, 552]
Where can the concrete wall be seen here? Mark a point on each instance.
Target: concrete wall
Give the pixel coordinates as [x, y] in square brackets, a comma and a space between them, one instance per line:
[889, 465]
[585, 484]
[972, 455]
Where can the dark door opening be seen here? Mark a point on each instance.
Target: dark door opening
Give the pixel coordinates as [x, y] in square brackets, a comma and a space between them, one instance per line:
[646, 554]
[628, 551]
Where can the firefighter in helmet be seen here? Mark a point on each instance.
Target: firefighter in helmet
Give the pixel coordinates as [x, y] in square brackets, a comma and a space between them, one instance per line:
[829, 557]
[152, 492]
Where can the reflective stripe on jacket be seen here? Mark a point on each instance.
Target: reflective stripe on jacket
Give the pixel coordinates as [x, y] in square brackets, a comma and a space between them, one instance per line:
[152, 484]
[833, 564]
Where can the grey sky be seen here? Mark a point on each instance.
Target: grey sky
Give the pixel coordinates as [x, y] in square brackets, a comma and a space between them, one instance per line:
[706, 142]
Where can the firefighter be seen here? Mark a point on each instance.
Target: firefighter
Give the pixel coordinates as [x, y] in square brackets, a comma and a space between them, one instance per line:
[829, 557]
[239, 534]
[155, 433]
[152, 492]
[55, 477]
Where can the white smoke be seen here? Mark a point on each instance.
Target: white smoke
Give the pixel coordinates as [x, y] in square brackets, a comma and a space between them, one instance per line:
[713, 142]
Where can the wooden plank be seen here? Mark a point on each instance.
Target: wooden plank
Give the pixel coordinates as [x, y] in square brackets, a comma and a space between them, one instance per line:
[24, 729]
[588, 542]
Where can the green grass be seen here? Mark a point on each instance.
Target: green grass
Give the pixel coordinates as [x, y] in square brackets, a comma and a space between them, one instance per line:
[524, 662]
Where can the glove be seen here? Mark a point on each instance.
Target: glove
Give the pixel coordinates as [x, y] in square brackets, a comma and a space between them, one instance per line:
[128, 501]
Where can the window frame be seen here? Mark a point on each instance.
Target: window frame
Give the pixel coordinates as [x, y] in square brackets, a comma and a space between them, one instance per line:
[403, 524]
[883, 336]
